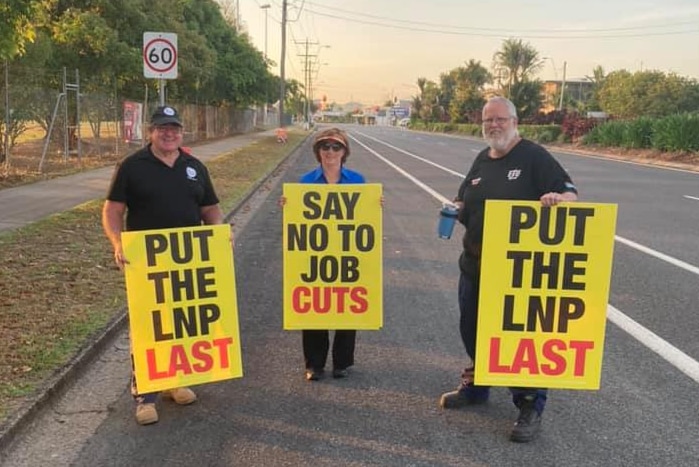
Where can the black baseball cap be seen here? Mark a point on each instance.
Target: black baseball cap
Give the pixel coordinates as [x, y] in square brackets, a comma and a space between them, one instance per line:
[165, 115]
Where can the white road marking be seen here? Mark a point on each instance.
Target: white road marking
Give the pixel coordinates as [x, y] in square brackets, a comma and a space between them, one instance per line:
[691, 197]
[652, 341]
[669, 352]
[422, 159]
[662, 256]
[429, 190]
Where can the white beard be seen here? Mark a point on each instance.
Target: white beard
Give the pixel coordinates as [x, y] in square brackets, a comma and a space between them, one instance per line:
[501, 142]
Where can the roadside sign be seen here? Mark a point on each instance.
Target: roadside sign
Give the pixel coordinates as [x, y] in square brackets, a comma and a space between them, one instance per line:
[160, 55]
[400, 112]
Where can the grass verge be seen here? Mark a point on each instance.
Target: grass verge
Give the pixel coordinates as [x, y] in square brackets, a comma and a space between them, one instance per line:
[59, 286]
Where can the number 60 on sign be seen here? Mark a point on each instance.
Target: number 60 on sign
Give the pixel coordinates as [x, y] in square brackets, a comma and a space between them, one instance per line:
[160, 55]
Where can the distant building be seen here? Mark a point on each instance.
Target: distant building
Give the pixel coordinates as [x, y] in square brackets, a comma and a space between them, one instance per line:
[578, 89]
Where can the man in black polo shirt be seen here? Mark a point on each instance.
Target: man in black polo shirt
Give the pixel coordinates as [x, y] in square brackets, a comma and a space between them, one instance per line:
[510, 168]
[159, 187]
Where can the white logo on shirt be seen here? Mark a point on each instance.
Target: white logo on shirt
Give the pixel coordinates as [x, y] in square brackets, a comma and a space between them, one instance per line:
[191, 173]
[514, 174]
[476, 181]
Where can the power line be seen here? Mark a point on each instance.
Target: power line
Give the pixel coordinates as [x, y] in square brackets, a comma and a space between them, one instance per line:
[299, 12]
[510, 34]
[497, 30]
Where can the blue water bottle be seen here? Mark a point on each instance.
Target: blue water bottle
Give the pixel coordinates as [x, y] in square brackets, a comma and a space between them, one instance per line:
[447, 219]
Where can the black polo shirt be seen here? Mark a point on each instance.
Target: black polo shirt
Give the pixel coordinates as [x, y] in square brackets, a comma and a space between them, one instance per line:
[527, 172]
[158, 196]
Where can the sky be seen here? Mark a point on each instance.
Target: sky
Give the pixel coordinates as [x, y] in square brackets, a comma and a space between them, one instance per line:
[371, 51]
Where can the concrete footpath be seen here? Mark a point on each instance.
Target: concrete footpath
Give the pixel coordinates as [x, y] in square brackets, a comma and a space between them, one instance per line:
[28, 203]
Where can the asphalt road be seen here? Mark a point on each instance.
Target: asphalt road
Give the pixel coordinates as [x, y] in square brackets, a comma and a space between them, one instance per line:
[386, 412]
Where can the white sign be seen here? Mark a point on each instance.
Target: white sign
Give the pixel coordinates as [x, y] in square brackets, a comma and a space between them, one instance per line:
[160, 55]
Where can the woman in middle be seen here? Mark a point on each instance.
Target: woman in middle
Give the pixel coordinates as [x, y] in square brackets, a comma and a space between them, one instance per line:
[331, 148]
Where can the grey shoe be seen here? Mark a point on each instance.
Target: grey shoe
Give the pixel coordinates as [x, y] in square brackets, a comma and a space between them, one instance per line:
[528, 424]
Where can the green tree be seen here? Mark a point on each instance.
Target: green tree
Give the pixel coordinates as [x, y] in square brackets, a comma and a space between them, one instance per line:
[448, 87]
[468, 95]
[515, 62]
[429, 109]
[417, 100]
[527, 98]
[16, 27]
[103, 40]
[647, 93]
[597, 80]
[295, 102]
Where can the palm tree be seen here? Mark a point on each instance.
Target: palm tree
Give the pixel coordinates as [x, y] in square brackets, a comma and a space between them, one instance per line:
[516, 62]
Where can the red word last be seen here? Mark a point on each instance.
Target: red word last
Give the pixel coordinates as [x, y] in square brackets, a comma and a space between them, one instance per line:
[204, 356]
[549, 359]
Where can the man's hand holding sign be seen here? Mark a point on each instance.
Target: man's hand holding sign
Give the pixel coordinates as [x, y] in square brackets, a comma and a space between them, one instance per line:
[544, 325]
[182, 306]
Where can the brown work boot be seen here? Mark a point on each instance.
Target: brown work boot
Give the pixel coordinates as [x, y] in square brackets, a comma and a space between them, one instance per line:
[463, 397]
[181, 396]
[146, 413]
[466, 394]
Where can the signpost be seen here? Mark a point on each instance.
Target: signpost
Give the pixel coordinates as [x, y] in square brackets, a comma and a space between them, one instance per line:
[160, 58]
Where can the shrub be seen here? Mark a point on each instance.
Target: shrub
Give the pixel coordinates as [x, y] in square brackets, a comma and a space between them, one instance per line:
[638, 133]
[575, 126]
[540, 133]
[678, 132]
[554, 117]
[608, 134]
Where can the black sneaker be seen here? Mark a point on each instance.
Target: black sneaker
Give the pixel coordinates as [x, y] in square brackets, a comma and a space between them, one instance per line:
[339, 373]
[528, 423]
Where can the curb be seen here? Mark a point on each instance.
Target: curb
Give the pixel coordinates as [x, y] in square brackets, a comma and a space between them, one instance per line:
[61, 380]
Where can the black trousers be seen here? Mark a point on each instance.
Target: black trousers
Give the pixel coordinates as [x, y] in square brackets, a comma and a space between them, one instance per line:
[316, 344]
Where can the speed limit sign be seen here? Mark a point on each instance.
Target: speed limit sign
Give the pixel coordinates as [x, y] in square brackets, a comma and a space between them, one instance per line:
[160, 55]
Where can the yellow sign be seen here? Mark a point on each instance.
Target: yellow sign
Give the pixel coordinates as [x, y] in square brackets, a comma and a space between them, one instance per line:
[183, 312]
[544, 286]
[333, 256]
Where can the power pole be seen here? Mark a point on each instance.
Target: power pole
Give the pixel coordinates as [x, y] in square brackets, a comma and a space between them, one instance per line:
[265, 7]
[563, 86]
[307, 79]
[308, 86]
[282, 85]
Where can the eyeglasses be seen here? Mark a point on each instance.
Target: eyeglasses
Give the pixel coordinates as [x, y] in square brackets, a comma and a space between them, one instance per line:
[497, 120]
[335, 147]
